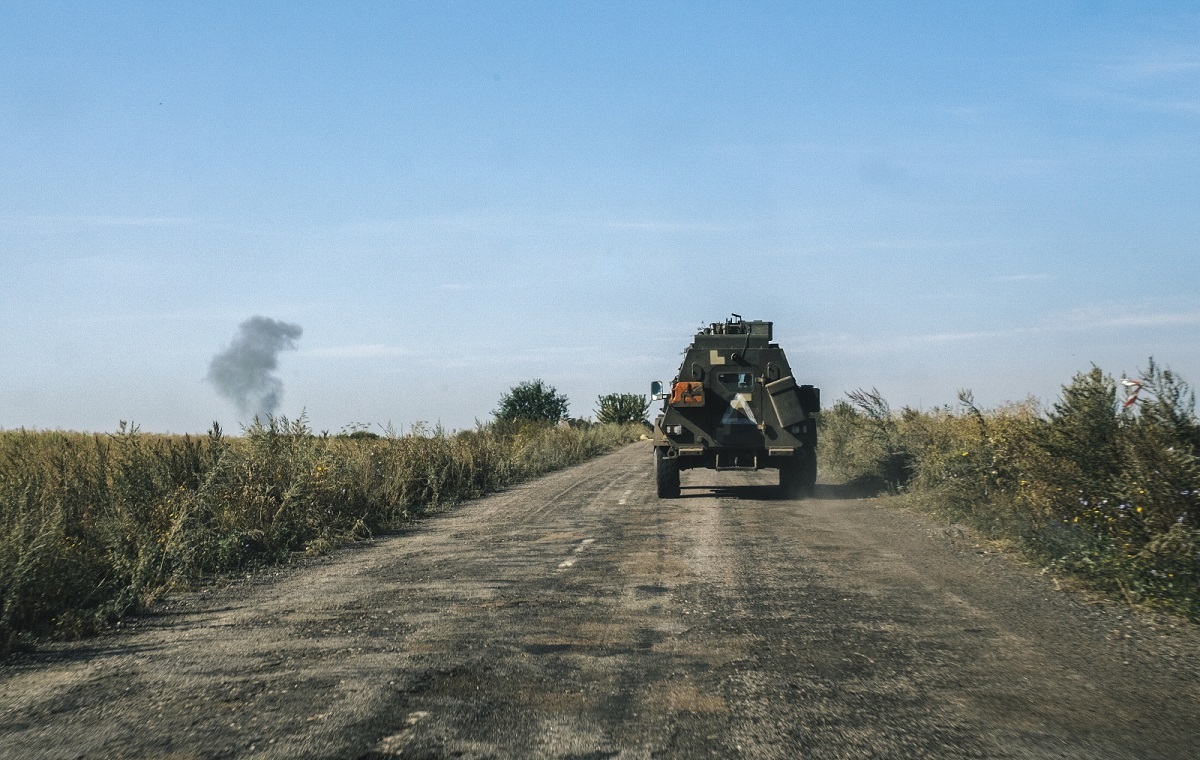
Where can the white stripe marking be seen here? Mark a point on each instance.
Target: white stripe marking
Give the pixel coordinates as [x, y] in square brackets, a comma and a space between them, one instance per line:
[579, 548]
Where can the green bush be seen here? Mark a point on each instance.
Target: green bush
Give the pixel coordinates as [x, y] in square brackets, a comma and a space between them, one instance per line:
[532, 401]
[92, 526]
[862, 441]
[622, 409]
[1088, 486]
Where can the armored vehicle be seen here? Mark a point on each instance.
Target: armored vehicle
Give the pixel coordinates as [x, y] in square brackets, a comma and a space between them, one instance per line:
[736, 406]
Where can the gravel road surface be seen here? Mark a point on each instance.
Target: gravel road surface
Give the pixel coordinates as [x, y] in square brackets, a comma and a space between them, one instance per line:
[580, 617]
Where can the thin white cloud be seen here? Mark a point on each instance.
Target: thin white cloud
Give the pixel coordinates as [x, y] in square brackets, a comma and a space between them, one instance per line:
[182, 315]
[510, 225]
[530, 224]
[1156, 64]
[1079, 320]
[95, 221]
[1086, 319]
[136, 221]
[498, 224]
[679, 226]
[855, 345]
[1161, 105]
[1023, 278]
[638, 360]
[357, 351]
[969, 111]
[1160, 79]
[898, 244]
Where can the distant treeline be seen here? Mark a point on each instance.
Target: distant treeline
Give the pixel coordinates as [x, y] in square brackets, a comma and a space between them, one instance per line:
[91, 526]
[1103, 484]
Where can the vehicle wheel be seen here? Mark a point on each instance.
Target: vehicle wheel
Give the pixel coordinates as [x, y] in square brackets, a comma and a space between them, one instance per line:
[666, 475]
[787, 480]
[808, 477]
[798, 479]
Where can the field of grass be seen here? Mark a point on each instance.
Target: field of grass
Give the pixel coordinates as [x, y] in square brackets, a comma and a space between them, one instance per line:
[92, 526]
[1088, 487]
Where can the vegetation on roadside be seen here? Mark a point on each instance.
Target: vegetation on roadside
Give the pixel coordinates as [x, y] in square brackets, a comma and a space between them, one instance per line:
[532, 401]
[622, 409]
[91, 526]
[1103, 490]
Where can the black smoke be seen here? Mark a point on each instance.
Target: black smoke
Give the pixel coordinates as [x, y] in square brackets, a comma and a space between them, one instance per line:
[242, 372]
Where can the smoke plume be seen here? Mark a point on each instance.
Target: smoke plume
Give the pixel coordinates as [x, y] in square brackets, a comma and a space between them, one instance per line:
[242, 372]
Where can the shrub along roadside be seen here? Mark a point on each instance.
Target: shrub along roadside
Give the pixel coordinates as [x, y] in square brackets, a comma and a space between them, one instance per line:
[91, 526]
[622, 409]
[1105, 492]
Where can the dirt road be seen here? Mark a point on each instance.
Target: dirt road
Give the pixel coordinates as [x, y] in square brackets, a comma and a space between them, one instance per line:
[580, 617]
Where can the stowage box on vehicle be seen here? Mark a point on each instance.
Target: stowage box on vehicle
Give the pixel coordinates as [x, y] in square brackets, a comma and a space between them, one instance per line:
[735, 405]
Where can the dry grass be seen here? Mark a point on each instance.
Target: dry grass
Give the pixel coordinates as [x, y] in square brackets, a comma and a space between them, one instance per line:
[1107, 494]
[91, 526]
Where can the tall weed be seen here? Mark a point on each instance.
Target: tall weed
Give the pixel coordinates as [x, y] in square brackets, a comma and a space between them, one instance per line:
[91, 526]
[1092, 487]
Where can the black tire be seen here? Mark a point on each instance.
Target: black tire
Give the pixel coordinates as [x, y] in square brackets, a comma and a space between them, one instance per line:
[808, 477]
[666, 475]
[798, 479]
[787, 481]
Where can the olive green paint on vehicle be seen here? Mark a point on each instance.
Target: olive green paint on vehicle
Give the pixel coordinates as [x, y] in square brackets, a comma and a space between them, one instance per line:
[735, 405]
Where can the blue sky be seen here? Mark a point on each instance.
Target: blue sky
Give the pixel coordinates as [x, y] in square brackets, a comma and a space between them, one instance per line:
[451, 198]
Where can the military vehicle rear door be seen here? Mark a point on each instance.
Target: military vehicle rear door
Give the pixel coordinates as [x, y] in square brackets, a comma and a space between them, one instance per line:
[741, 413]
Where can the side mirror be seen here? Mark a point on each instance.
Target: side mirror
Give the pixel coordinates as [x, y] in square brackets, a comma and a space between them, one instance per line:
[656, 391]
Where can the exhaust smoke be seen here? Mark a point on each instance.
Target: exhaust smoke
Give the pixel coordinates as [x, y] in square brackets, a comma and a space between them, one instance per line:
[242, 372]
